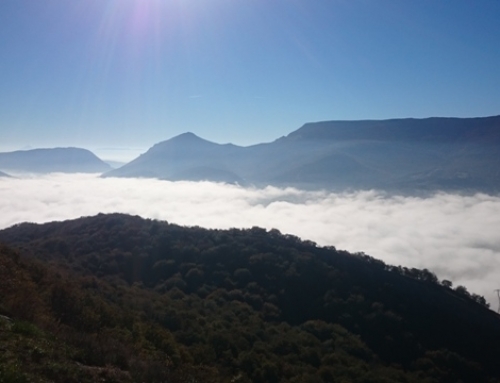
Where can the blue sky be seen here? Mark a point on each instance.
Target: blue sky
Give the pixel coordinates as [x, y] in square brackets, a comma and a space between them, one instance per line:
[130, 73]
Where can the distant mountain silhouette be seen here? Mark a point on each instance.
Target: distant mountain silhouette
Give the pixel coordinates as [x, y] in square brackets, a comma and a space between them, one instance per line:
[184, 157]
[433, 130]
[2, 174]
[406, 155]
[66, 160]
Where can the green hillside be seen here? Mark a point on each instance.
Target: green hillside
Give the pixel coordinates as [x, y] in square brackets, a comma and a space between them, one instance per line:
[116, 298]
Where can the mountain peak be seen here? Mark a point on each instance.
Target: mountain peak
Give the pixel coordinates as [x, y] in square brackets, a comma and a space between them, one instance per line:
[184, 140]
[187, 137]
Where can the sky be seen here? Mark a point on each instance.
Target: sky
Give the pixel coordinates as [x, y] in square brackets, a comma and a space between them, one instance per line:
[455, 236]
[118, 76]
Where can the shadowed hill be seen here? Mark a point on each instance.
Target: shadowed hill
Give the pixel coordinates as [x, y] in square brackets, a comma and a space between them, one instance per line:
[261, 305]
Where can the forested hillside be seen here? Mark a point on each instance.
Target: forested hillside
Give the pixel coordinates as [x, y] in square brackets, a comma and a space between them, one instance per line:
[120, 299]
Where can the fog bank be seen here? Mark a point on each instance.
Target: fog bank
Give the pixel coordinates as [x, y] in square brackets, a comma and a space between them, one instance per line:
[455, 236]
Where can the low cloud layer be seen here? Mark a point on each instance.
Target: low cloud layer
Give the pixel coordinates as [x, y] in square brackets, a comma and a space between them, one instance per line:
[454, 236]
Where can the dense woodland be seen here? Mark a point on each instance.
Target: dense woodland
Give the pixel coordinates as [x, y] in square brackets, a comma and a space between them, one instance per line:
[117, 298]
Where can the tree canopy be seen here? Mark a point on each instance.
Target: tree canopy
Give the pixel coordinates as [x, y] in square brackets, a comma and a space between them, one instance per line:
[122, 299]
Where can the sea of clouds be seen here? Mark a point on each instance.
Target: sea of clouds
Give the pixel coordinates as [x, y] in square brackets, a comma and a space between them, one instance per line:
[455, 236]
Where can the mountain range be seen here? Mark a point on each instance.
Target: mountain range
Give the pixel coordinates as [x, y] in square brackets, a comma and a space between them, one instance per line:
[65, 160]
[403, 155]
[399, 154]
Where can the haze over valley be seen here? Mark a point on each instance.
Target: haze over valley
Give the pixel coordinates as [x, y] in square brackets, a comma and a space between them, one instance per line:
[451, 234]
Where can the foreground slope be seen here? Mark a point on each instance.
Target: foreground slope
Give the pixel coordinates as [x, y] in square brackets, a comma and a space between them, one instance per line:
[129, 296]
[66, 160]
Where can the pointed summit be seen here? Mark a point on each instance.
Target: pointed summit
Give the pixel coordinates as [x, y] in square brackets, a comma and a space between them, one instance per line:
[187, 137]
[183, 157]
[185, 141]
